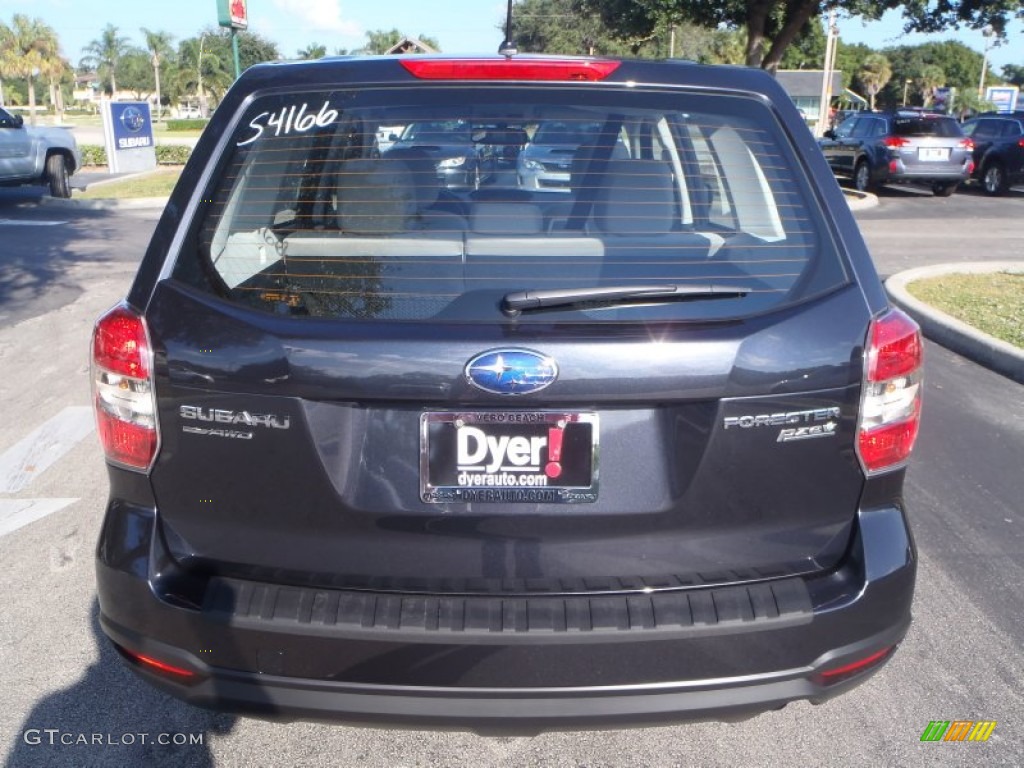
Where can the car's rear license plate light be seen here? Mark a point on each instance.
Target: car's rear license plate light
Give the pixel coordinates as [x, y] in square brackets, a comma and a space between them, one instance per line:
[526, 457]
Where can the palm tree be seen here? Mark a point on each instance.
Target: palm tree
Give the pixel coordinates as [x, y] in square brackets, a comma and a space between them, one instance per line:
[313, 51]
[930, 78]
[104, 53]
[54, 70]
[27, 48]
[875, 72]
[200, 68]
[159, 46]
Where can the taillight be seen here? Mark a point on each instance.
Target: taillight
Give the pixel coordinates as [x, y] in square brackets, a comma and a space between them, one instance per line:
[162, 668]
[510, 69]
[967, 144]
[838, 674]
[890, 411]
[1020, 142]
[895, 142]
[123, 397]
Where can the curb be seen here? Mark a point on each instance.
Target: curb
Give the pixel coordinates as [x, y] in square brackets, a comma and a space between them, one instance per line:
[954, 334]
[109, 204]
[859, 201]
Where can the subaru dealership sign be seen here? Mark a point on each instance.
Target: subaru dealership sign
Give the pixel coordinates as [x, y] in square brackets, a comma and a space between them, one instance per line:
[1003, 96]
[128, 135]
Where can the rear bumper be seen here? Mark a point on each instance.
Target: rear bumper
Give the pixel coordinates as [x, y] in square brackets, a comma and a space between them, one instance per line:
[274, 654]
[923, 174]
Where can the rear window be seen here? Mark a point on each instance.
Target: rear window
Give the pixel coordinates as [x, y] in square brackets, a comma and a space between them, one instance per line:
[309, 214]
[944, 127]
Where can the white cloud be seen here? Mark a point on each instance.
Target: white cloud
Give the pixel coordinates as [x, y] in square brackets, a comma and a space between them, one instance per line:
[320, 15]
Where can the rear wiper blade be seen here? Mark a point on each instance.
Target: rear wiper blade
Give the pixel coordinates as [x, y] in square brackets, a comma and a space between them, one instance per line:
[519, 301]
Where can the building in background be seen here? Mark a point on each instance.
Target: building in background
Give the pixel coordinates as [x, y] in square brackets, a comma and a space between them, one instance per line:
[804, 88]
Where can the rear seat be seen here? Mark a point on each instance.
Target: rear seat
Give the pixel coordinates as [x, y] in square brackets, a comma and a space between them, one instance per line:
[637, 218]
[381, 232]
[519, 229]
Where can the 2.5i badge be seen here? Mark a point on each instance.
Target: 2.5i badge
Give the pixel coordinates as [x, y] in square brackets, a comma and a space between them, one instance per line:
[532, 457]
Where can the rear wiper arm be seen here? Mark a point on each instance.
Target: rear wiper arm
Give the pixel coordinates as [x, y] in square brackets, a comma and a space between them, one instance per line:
[518, 301]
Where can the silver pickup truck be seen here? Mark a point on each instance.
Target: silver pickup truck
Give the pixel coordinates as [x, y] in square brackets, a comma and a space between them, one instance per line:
[31, 155]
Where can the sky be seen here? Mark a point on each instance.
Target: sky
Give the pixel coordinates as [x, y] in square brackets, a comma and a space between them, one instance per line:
[461, 26]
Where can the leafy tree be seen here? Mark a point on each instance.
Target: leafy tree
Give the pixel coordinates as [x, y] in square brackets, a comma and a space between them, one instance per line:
[27, 48]
[136, 73]
[1014, 74]
[931, 16]
[961, 66]
[773, 25]
[253, 48]
[551, 26]
[557, 26]
[873, 75]
[158, 44]
[104, 55]
[313, 51]
[808, 50]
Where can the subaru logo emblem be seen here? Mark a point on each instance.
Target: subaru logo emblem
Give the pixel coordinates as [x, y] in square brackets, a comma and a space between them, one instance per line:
[511, 371]
[132, 119]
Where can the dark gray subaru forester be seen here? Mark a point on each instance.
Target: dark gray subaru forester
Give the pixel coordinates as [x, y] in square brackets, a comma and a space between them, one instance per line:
[627, 452]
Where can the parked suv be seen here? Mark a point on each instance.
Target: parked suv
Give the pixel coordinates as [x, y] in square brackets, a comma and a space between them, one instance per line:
[628, 454]
[998, 150]
[901, 147]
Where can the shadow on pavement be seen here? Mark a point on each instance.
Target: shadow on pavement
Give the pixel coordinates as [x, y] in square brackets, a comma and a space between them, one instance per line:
[43, 245]
[111, 705]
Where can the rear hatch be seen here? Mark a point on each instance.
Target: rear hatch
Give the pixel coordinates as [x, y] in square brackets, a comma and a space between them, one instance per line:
[930, 143]
[365, 381]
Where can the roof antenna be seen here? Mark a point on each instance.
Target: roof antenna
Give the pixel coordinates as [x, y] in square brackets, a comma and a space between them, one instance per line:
[508, 47]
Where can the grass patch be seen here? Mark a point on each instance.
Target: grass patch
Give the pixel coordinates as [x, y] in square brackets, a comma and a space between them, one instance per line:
[156, 184]
[992, 303]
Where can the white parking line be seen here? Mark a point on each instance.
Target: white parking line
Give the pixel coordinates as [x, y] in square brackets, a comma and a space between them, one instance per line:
[30, 223]
[36, 452]
[14, 513]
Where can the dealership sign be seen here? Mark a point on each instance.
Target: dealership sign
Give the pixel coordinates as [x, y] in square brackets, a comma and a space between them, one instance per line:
[128, 135]
[233, 14]
[1004, 97]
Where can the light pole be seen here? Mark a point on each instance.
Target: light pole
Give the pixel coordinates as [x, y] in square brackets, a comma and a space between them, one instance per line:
[831, 41]
[989, 33]
[906, 85]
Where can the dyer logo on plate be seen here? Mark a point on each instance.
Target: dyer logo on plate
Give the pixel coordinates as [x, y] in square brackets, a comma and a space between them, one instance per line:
[511, 371]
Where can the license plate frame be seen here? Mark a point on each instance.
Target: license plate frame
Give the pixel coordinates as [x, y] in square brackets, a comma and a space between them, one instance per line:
[506, 457]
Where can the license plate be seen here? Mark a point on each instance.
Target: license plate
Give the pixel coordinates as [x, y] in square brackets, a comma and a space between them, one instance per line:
[518, 457]
[932, 154]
